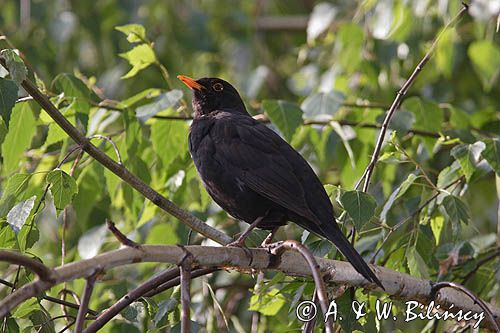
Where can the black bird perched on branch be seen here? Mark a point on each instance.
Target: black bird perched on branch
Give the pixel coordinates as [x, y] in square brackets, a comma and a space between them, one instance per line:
[255, 175]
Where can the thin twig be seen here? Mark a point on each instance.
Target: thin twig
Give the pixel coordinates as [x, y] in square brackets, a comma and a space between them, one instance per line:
[415, 213]
[65, 211]
[292, 245]
[480, 263]
[177, 280]
[440, 285]
[107, 138]
[80, 318]
[54, 300]
[367, 174]
[120, 236]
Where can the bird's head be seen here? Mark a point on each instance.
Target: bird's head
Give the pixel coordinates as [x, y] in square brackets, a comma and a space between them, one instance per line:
[213, 94]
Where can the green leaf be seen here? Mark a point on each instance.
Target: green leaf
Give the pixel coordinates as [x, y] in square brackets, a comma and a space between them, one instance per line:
[468, 157]
[169, 139]
[444, 52]
[71, 86]
[28, 236]
[397, 193]
[360, 206]
[26, 308]
[416, 264]
[135, 32]
[437, 224]
[18, 139]
[485, 57]
[20, 213]
[162, 102]
[8, 97]
[148, 93]
[163, 233]
[15, 65]
[139, 57]
[285, 115]
[459, 118]
[322, 105]
[42, 322]
[456, 209]
[16, 185]
[164, 308]
[492, 154]
[11, 325]
[429, 116]
[349, 44]
[268, 303]
[8, 238]
[62, 187]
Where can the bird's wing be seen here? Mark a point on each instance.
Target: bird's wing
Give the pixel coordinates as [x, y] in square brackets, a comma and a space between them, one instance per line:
[265, 163]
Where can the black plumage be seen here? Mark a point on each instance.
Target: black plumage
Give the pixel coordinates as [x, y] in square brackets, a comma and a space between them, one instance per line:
[251, 172]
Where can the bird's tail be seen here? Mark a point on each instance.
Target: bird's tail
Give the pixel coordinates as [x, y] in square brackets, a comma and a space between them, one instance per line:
[333, 234]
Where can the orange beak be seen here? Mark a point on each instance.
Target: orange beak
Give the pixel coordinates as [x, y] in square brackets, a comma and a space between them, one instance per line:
[191, 83]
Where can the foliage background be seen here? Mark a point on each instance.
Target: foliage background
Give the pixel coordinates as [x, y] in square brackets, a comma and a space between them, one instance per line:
[350, 52]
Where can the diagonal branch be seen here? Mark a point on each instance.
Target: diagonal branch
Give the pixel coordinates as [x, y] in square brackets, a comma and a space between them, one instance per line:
[119, 170]
[367, 174]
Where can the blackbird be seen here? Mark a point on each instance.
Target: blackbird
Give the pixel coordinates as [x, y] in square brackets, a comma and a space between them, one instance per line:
[255, 175]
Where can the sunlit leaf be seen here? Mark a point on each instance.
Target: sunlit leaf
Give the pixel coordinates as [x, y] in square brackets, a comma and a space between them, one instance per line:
[139, 57]
[169, 139]
[18, 139]
[134, 32]
[268, 303]
[19, 214]
[322, 16]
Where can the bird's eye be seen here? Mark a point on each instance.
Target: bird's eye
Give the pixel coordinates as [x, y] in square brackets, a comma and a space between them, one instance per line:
[218, 86]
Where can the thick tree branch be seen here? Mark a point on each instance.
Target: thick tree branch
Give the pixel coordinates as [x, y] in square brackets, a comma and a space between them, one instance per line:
[44, 272]
[398, 285]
